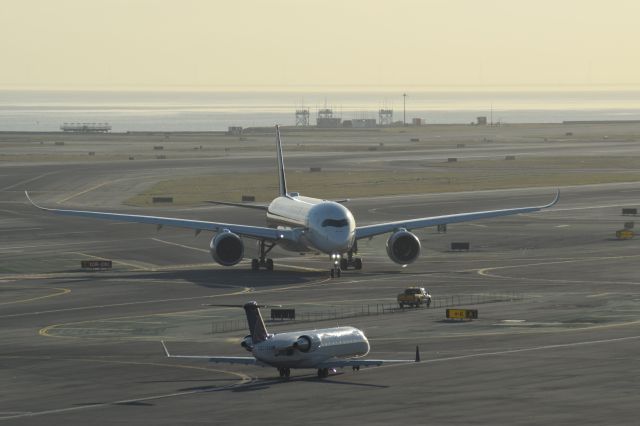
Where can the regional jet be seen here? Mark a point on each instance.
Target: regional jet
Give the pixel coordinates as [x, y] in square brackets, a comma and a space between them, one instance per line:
[324, 349]
[304, 224]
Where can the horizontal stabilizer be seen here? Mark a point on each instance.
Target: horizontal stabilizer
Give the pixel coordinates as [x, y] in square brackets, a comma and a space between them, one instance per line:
[244, 360]
[244, 205]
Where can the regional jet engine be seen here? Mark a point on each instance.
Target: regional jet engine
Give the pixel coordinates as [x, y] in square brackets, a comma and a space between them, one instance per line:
[247, 343]
[226, 248]
[303, 344]
[403, 247]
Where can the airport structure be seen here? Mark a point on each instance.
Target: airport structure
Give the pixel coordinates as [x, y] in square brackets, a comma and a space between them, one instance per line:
[363, 123]
[86, 127]
[302, 117]
[385, 116]
[326, 119]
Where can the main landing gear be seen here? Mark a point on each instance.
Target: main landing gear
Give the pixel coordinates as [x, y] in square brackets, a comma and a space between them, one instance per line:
[350, 261]
[263, 261]
[284, 372]
[323, 372]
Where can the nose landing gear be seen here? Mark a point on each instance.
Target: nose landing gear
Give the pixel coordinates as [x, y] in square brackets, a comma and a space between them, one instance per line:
[335, 268]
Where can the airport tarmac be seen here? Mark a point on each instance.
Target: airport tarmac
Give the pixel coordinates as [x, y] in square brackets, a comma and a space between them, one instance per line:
[79, 347]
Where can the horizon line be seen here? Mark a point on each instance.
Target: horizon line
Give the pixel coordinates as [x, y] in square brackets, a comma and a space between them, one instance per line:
[323, 87]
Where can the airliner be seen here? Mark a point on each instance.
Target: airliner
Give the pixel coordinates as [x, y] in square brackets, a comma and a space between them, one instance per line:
[303, 224]
[324, 349]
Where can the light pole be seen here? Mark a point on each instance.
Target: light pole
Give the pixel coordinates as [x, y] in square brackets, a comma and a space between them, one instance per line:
[404, 109]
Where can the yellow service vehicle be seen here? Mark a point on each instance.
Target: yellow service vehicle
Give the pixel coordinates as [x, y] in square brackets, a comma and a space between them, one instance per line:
[414, 296]
[625, 234]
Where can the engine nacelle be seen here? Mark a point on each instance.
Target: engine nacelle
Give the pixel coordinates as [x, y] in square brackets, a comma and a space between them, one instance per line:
[247, 343]
[227, 248]
[403, 247]
[303, 344]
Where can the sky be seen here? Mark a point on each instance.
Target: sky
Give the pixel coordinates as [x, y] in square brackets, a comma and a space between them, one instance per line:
[94, 44]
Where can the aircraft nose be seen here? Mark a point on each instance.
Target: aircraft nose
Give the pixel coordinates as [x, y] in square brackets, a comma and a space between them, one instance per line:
[335, 227]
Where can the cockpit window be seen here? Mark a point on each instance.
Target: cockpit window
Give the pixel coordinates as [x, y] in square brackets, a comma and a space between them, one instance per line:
[336, 223]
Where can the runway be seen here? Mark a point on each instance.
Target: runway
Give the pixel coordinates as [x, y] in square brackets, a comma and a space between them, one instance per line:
[79, 347]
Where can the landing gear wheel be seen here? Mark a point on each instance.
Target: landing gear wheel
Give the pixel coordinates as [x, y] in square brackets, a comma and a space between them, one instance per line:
[262, 261]
[357, 263]
[287, 372]
[281, 372]
[333, 273]
[344, 263]
[338, 272]
[323, 372]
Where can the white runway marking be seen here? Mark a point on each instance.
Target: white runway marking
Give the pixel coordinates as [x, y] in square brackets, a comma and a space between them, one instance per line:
[244, 379]
[512, 351]
[532, 349]
[568, 209]
[21, 183]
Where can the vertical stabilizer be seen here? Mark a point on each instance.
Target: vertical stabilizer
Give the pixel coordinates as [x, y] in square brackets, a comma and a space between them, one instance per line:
[256, 325]
[281, 178]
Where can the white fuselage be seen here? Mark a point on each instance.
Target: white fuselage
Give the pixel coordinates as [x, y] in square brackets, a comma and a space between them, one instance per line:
[325, 344]
[329, 227]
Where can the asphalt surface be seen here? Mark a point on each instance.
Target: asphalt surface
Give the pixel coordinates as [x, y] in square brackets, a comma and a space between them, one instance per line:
[80, 347]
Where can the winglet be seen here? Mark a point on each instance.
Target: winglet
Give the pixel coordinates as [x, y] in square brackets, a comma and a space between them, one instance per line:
[417, 353]
[281, 177]
[166, 351]
[554, 202]
[26, 193]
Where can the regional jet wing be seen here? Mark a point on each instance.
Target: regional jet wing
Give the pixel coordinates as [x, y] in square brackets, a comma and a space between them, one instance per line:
[354, 362]
[258, 232]
[383, 228]
[244, 360]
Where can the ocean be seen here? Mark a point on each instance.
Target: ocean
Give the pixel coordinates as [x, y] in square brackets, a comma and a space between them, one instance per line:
[191, 110]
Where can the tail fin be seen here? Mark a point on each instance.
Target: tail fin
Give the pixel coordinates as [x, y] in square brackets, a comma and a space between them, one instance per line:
[282, 179]
[256, 325]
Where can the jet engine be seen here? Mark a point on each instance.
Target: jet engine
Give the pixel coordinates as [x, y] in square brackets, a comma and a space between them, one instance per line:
[247, 343]
[403, 247]
[303, 344]
[227, 248]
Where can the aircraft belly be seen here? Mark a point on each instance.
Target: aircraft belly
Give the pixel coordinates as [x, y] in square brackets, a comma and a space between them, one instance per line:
[299, 246]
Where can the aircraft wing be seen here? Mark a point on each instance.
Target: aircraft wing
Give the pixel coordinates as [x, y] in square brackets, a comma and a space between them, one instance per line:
[341, 363]
[258, 232]
[383, 228]
[355, 362]
[244, 360]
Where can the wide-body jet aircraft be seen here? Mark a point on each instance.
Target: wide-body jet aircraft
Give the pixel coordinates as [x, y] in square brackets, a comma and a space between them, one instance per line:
[304, 224]
[323, 349]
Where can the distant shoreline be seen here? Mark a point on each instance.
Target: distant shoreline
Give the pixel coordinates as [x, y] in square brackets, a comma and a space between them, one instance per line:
[267, 129]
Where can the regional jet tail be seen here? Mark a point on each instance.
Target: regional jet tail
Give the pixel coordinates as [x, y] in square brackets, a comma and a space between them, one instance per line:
[322, 349]
[304, 224]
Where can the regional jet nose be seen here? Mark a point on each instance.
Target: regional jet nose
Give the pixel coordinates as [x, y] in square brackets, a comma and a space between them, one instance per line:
[332, 227]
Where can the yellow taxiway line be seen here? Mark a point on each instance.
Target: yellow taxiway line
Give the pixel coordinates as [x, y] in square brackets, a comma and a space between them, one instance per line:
[60, 292]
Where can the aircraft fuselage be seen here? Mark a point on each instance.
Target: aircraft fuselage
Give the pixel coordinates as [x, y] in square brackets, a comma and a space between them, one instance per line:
[324, 344]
